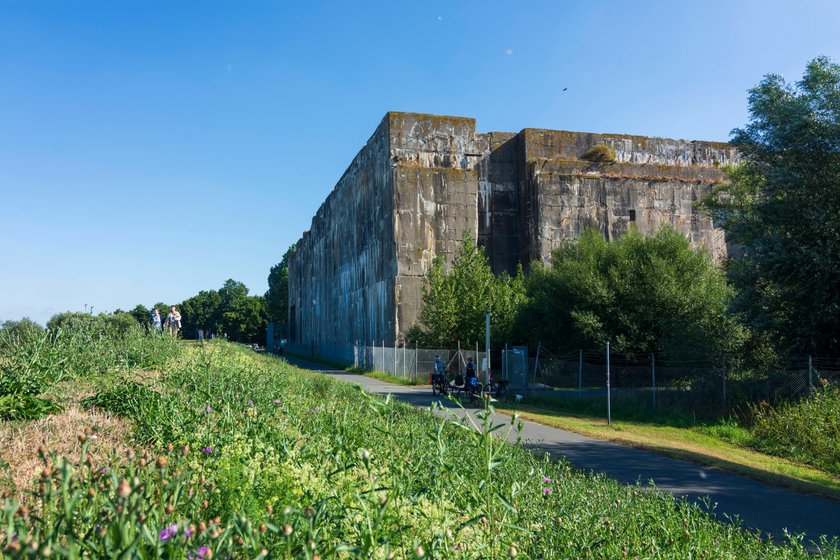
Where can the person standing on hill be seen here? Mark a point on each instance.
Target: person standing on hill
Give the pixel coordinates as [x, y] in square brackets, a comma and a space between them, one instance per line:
[173, 321]
[156, 326]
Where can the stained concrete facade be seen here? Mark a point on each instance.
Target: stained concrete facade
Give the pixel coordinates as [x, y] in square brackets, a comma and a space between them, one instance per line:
[421, 181]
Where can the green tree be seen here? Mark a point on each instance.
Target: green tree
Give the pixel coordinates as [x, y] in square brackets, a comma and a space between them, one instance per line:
[202, 311]
[245, 319]
[781, 208]
[25, 330]
[455, 302]
[277, 296]
[141, 314]
[642, 293]
[229, 311]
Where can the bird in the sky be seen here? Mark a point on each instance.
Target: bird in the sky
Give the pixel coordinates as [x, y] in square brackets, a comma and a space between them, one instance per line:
[565, 88]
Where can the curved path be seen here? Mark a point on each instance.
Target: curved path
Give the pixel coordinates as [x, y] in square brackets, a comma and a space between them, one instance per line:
[759, 505]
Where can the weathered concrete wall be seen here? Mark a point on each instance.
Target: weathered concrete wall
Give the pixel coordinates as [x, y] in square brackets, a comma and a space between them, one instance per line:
[342, 276]
[423, 180]
[499, 230]
[436, 188]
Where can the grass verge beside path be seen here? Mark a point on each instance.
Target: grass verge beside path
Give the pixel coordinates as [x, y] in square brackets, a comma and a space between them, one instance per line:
[689, 444]
[380, 375]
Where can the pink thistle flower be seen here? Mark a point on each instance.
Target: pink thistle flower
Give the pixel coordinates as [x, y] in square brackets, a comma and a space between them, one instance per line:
[208, 410]
[547, 480]
[168, 532]
[207, 450]
[546, 491]
[201, 552]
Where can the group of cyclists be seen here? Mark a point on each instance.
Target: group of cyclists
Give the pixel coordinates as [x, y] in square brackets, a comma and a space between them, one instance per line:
[468, 381]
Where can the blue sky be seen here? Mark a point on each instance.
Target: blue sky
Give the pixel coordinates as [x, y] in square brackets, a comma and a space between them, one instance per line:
[149, 150]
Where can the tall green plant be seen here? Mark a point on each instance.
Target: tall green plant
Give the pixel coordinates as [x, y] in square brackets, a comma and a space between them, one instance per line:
[455, 302]
[642, 293]
[277, 296]
[781, 207]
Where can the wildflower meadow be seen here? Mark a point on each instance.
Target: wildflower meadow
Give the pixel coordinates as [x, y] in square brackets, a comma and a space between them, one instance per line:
[236, 455]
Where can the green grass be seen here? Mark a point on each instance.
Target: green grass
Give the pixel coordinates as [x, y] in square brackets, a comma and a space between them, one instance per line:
[715, 442]
[383, 376]
[293, 464]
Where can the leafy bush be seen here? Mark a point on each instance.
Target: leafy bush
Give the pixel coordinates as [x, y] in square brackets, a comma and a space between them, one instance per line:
[26, 329]
[807, 431]
[26, 407]
[600, 153]
[128, 399]
[642, 293]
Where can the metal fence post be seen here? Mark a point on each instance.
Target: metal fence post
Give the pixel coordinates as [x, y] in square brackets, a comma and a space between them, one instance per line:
[723, 374]
[653, 377]
[810, 374]
[580, 370]
[487, 346]
[609, 410]
[536, 362]
[415, 361]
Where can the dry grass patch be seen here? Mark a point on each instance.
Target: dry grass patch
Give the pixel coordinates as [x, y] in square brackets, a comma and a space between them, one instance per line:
[59, 433]
[19, 442]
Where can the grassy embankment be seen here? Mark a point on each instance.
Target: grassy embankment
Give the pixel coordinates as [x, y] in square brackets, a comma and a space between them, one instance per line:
[231, 452]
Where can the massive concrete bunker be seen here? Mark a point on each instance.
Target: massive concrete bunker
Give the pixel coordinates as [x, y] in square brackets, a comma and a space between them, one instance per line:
[421, 181]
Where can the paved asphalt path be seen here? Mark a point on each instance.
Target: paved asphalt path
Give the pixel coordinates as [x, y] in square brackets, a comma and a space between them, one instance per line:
[759, 505]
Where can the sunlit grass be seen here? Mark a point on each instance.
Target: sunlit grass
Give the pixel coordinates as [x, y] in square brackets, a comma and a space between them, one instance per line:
[244, 454]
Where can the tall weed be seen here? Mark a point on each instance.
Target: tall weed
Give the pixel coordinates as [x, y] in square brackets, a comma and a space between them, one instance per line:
[807, 430]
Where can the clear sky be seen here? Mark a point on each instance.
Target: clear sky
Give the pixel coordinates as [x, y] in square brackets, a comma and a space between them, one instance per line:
[152, 149]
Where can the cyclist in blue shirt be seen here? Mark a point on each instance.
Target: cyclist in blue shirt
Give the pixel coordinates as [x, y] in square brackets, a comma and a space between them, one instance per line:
[470, 373]
[439, 370]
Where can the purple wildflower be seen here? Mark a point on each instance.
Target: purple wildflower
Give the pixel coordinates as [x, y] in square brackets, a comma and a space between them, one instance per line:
[546, 491]
[547, 480]
[168, 532]
[201, 552]
[278, 402]
[103, 470]
[208, 409]
[207, 450]
[188, 531]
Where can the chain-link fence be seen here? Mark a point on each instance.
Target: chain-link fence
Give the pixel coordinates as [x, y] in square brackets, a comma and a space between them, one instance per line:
[702, 385]
[414, 364]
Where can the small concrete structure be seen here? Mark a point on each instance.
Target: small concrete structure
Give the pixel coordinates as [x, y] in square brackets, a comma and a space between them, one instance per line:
[421, 181]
